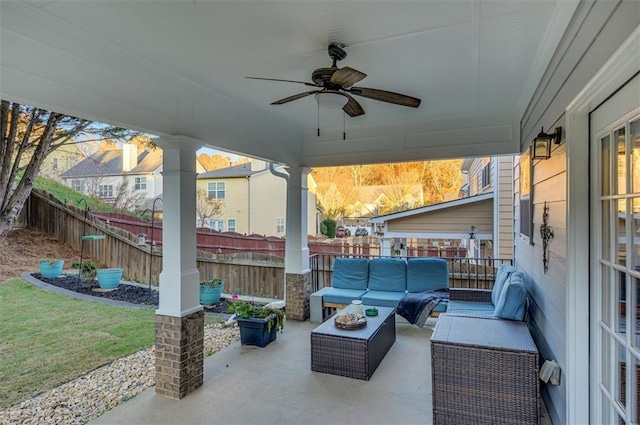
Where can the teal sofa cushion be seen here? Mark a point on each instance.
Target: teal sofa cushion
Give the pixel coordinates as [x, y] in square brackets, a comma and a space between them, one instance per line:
[342, 296]
[382, 298]
[470, 308]
[504, 271]
[350, 273]
[424, 274]
[441, 307]
[513, 299]
[388, 274]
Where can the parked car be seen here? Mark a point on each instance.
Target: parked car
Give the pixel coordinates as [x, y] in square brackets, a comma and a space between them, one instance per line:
[361, 231]
[342, 232]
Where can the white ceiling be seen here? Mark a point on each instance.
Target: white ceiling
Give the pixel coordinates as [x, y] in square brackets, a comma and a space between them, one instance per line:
[178, 67]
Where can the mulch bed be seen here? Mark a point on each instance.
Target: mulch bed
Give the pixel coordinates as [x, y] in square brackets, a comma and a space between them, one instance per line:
[124, 292]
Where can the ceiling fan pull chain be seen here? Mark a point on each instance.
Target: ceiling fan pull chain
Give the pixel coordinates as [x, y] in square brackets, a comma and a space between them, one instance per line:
[318, 120]
[344, 125]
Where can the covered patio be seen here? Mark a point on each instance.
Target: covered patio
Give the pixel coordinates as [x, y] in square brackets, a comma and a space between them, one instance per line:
[489, 75]
[275, 385]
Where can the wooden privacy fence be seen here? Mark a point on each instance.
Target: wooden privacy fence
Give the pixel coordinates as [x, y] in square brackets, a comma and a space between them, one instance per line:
[248, 273]
[232, 243]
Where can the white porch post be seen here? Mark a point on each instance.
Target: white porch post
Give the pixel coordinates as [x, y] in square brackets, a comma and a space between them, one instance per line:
[179, 318]
[296, 264]
[385, 247]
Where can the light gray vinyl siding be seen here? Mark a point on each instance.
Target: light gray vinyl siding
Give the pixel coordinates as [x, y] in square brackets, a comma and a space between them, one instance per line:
[597, 29]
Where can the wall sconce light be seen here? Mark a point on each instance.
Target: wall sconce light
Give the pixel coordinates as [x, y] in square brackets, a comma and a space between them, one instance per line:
[542, 143]
[472, 232]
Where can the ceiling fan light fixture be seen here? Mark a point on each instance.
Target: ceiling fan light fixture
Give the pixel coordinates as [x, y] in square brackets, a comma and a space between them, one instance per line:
[331, 100]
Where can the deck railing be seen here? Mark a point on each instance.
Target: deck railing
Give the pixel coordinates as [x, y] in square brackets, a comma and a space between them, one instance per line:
[476, 273]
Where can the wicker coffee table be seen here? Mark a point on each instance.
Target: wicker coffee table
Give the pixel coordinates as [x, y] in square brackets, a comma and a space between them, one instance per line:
[353, 353]
[484, 372]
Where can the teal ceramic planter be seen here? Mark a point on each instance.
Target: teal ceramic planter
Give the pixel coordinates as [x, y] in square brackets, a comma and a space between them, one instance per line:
[109, 278]
[210, 295]
[51, 268]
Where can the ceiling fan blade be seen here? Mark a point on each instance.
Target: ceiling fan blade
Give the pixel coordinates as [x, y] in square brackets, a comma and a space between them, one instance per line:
[386, 96]
[295, 97]
[283, 81]
[347, 77]
[352, 108]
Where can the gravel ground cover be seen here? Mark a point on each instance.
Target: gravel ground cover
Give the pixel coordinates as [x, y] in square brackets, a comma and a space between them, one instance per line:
[90, 395]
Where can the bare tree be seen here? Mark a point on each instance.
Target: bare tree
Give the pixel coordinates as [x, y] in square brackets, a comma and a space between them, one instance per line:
[126, 198]
[27, 136]
[207, 207]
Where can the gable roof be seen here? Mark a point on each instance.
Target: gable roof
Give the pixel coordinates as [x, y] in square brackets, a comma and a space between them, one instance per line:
[109, 163]
[434, 207]
[242, 170]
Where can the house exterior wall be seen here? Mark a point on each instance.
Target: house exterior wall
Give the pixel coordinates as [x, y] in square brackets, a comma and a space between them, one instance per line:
[235, 202]
[475, 176]
[597, 29]
[450, 220]
[66, 157]
[268, 203]
[503, 206]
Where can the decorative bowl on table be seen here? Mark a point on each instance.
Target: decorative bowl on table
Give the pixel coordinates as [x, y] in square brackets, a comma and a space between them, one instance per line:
[350, 321]
[371, 311]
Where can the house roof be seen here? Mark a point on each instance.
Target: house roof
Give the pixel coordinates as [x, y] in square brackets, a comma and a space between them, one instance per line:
[109, 163]
[434, 207]
[242, 170]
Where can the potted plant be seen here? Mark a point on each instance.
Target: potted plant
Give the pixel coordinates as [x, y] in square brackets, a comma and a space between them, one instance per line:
[50, 268]
[87, 271]
[258, 324]
[109, 278]
[211, 290]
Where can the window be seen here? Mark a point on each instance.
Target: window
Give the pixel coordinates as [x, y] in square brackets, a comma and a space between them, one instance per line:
[280, 225]
[140, 183]
[78, 185]
[231, 225]
[525, 195]
[486, 176]
[105, 191]
[216, 225]
[55, 164]
[216, 190]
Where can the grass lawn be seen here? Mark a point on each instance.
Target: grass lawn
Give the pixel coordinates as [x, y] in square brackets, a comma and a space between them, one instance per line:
[47, 339]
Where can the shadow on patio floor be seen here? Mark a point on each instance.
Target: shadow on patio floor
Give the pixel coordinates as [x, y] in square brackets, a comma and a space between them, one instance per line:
[275, 385]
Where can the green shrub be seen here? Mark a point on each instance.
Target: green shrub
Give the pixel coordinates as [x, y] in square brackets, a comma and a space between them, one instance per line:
[331, 227]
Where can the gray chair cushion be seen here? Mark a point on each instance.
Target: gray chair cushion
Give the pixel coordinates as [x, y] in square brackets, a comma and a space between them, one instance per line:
[513, 299]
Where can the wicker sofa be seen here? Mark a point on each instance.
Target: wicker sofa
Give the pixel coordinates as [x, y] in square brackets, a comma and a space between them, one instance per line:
[507, 299]
[381, 282]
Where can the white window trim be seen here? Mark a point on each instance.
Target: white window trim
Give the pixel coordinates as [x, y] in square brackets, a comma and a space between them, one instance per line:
[235, 225]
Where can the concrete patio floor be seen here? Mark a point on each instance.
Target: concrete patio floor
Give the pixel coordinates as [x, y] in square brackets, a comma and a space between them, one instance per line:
[275, 385]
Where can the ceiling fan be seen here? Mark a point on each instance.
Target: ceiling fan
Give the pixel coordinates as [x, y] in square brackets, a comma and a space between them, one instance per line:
[339, 82]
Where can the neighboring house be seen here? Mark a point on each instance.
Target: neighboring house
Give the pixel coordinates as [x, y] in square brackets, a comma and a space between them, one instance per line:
[255, 200]
[61, 160]
[372, 200]
[487, 207]
[129, 176]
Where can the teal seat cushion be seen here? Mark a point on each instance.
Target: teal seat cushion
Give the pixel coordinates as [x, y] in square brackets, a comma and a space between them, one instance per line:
[342, 296]
[424, 274]
[513, 299]
[382, 298]
[441, 307]
[388, 274]
[350, 273]
[504, 271]
[470, 308]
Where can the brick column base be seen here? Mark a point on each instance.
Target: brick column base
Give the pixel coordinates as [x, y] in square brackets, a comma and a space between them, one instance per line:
[179, 354]
[298, 292]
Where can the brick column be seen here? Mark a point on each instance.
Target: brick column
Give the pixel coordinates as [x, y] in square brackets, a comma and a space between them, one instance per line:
[298, 291]
[179, 354]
